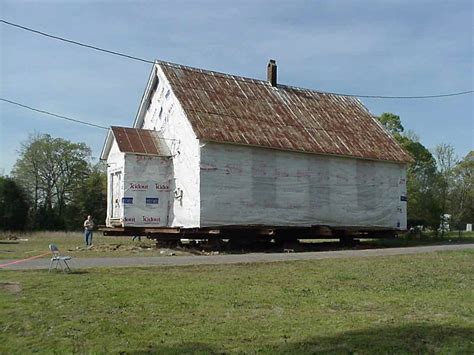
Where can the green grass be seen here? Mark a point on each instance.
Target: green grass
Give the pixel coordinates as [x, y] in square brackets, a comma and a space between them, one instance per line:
[401, 304]
[409, 240]
[72, 243]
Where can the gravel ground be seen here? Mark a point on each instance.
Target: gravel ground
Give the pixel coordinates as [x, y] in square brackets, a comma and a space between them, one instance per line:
[80, 263]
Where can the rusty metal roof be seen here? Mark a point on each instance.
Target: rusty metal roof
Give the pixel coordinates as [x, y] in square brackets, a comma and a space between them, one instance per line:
[232, 109]
[139, 141]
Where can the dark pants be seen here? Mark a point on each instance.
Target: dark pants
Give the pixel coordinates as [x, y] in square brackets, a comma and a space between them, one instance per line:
[88, 237]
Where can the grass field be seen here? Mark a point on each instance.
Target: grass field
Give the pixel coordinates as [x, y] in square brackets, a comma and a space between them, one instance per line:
[426, 239]
[72, 243]
[30, 244]
[401, 304]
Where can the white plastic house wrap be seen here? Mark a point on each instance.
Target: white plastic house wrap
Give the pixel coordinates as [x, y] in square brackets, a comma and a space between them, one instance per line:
[139, 181]
[241, 152]
[253, 186]
[147, 185]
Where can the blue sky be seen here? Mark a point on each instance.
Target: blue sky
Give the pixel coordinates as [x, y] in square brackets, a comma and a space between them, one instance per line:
[386, 47]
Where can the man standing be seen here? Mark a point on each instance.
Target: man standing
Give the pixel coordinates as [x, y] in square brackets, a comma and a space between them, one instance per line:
[88, 228]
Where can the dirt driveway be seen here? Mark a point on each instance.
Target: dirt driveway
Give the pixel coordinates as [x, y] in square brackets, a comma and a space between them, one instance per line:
[79, 263]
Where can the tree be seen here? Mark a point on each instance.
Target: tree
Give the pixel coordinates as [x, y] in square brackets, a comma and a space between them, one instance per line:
[462, 193]
[392, 123]
[91, 197]
[13, 205]
[423, 205]
[446, 161]
[50, 170]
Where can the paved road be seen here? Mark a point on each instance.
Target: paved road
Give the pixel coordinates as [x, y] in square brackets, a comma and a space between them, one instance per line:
[79, 263]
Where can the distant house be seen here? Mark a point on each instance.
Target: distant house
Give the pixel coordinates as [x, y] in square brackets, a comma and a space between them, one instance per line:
[211, 149]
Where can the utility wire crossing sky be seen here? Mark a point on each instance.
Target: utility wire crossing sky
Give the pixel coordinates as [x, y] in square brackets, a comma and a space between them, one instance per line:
[152, 62]
[53, 114]
[422, 54]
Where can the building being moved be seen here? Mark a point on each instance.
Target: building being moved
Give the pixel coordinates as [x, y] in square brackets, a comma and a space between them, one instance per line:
[212, 150]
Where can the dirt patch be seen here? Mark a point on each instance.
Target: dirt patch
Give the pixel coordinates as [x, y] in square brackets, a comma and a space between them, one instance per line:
[142, 249]
[107, 248]
[11, 287]
[8, 236]
[121, 247]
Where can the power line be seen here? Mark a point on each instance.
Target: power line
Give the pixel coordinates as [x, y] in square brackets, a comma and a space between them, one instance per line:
[402, 97]
[143, 60]
[273, 124]
[53, 114]
[69, 118]
[76, 42]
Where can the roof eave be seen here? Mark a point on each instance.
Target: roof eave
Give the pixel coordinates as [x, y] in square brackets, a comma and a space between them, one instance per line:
[407, 161]
[139, 115]
[107, 145]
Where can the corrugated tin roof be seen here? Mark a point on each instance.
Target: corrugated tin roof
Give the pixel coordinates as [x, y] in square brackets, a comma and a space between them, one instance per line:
[231, 109]
[139, 141]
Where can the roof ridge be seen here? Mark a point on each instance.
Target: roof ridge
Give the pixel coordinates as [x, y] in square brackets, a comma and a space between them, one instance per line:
[210, 72]
[245, 79]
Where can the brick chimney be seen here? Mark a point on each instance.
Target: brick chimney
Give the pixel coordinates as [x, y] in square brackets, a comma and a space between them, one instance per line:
[272, 72]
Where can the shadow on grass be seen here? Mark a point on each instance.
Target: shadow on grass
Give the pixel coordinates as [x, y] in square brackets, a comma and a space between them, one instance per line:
[60, 272]
[187, 348]
[412, 338]
[79, 272]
